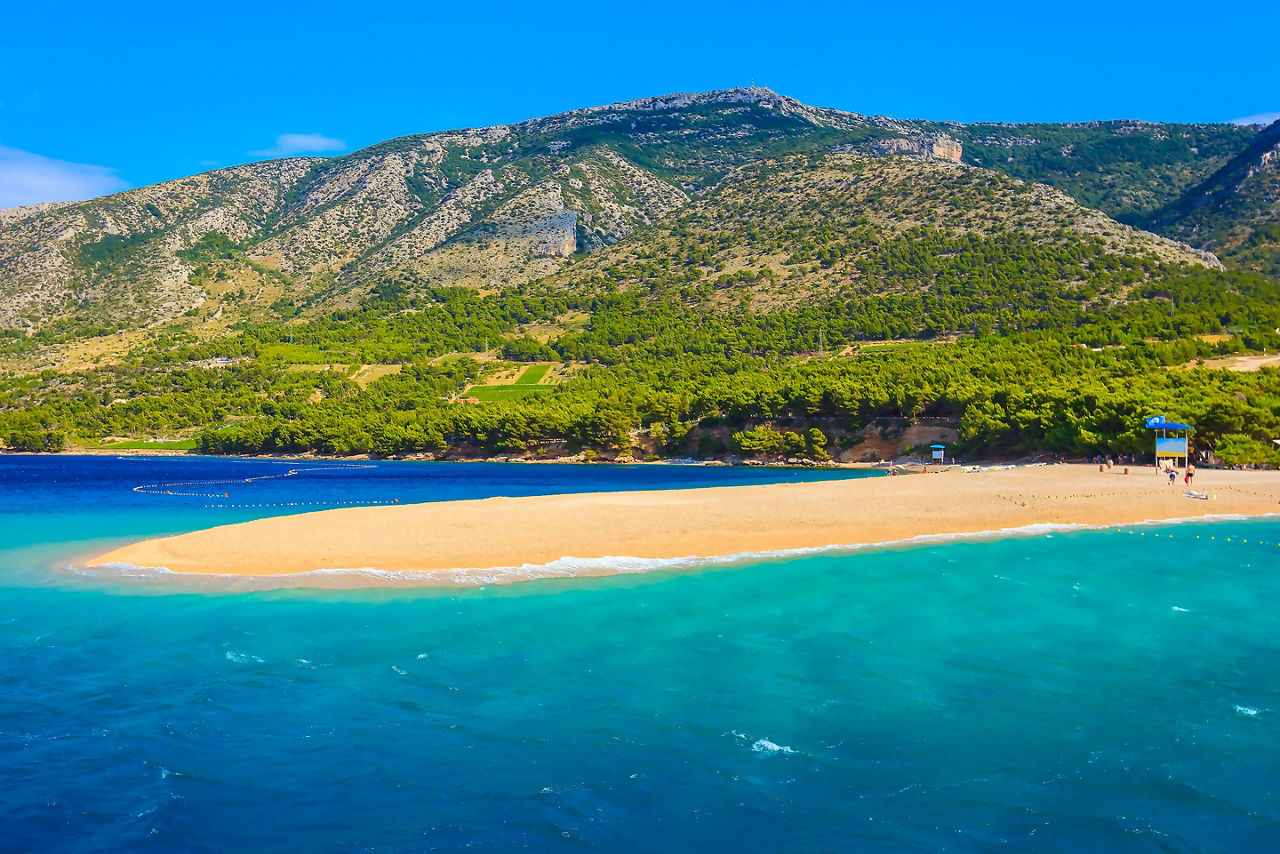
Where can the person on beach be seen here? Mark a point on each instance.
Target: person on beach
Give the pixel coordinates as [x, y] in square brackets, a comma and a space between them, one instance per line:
[1173, 475]
[1191, 473]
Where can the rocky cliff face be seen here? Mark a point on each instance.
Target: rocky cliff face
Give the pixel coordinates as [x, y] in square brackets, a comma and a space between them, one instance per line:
[942, 147]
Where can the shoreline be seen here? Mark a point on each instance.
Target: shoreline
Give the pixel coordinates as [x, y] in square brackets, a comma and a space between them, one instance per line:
[429, 458]
[900, 462]
[496, 540]
[569, 567]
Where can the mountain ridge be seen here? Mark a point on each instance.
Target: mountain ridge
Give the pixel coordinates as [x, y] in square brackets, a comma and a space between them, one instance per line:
[579, 179]
[484, 207]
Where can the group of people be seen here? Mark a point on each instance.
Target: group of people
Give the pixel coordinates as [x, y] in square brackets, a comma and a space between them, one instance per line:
[1169, 469]
[1110, 459]
[1186, 478]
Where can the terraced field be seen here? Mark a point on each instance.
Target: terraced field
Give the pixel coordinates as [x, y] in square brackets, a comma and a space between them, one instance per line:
[526, 384]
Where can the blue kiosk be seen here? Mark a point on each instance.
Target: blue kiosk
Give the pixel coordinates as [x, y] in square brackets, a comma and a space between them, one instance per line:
[1171, 439]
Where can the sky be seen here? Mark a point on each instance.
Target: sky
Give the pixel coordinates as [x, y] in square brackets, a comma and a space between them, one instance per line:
[97, 97]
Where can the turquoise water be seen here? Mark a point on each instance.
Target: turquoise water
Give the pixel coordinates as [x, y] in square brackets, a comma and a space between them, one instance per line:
[1096, 690]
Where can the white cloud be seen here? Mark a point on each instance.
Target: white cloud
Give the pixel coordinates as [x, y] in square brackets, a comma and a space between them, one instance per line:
[288, 144]
[26, 179]
[1259, 119]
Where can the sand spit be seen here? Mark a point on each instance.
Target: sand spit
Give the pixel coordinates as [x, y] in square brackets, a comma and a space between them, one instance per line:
[584, 534]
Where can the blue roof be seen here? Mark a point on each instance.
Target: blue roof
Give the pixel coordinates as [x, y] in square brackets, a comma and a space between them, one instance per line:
[937, 446]
[1159, 422]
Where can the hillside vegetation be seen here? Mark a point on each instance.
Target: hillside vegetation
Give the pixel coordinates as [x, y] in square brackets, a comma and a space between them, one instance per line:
[1236, 210]
[727, 273]
[1126, 169]
[941, 237]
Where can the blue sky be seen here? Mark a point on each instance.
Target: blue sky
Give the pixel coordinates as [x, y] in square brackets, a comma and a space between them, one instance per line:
[97, 97]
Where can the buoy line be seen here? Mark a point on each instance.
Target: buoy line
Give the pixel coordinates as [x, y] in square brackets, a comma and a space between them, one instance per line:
[169, 488]
[381, 502]
[1212, 538]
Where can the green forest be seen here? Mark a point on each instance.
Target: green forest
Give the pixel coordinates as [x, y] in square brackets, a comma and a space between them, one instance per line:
[656, 374]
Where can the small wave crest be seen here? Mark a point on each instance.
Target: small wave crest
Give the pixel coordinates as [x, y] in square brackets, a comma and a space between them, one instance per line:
[760, 745]
[1208, 517]
[119, 570]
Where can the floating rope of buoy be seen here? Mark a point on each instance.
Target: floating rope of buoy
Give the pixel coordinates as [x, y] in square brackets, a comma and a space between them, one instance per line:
[1211, 538]
[379, 502]
[168, 488]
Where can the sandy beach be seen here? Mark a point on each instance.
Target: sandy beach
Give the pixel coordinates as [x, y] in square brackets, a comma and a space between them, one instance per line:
[433, 541]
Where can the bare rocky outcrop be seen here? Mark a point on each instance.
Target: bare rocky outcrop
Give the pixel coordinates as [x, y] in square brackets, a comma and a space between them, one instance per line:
[941, 147]
[12, 215]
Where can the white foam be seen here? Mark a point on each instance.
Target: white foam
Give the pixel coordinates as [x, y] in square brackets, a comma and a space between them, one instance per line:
[1247, 711]
[116, 570]
[764, 745]
[241, 657]
[1208, 517]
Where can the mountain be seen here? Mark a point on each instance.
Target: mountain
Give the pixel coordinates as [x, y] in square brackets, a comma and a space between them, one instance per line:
[698, 275]
[494, 207]
[481, 207]
[1235, 212]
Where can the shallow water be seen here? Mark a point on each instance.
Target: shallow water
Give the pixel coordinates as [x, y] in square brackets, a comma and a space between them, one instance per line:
[1092, 690]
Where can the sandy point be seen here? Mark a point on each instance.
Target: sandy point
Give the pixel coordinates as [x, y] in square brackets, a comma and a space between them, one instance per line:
[450, 542]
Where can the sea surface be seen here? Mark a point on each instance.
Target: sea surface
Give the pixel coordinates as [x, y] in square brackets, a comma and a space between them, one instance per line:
[1099, 690]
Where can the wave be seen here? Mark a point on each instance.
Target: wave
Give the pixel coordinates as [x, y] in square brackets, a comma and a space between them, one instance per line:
[1208, 517]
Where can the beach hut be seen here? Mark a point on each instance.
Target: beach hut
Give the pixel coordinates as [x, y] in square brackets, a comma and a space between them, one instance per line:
[1171, 438]
[939, 453]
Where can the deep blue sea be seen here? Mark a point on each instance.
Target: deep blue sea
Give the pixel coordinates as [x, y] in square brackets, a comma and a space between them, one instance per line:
[1084, 691]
